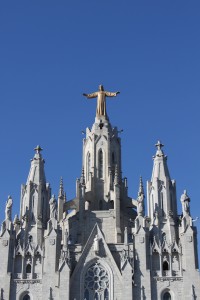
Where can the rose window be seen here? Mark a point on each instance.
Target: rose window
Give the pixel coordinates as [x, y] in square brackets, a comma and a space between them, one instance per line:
[96, 283]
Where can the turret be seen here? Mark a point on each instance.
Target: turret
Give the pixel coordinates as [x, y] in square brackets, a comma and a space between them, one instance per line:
[161, 192]
[35, 195]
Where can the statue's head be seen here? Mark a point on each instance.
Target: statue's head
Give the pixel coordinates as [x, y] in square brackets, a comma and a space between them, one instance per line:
[101, 87]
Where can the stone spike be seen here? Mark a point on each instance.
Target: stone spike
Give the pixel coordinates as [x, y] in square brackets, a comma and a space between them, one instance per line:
[82, 181]
[116, 181]
[141, 188]
[61, 189]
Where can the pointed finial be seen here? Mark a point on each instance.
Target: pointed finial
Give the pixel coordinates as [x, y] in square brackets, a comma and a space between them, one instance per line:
[159, 145]
[61, 190]
[38, 149]
[82, 181]
[116, 180]
[141, 188]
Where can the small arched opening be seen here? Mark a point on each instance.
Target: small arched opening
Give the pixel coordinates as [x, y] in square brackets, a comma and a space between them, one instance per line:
[166, 296]
[28, 269]
[26, 297]
[165, 266]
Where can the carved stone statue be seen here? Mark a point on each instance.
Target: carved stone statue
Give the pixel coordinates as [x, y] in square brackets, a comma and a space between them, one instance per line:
[156, 219]
[53, 204]
[101, 99]
[8, 210]
[140, 204]
[185, 200]
[96, 244]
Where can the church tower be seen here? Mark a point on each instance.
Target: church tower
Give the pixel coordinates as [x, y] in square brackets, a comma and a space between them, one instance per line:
[100, 245]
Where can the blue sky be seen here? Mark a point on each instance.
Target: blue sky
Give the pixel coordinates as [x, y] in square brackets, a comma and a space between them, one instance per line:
[53, 51]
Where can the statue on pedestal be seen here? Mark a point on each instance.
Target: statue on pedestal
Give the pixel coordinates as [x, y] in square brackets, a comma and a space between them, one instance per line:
[101, 99]
[8, 209]
[53, 205]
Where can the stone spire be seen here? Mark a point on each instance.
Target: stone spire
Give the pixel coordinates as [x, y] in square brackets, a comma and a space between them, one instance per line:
[36, 174]
[141, 188]
[35, 197]
[140, 199]
[61, 189]
[61, 200]
[160, 169]
[82, 181]
[161, 194]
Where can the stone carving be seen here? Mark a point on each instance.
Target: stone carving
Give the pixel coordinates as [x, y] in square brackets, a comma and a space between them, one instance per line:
[140, 204]
[96, 244]
[8, 210]
[101, 99]
[53, 205]
[185, 200]
[156, 219]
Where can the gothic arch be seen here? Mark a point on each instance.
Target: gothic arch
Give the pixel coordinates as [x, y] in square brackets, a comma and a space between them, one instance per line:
[100, 266]
[25, 295]
[166, 294]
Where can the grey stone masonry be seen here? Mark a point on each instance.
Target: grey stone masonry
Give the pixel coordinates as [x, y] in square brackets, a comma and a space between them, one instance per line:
[99, 245]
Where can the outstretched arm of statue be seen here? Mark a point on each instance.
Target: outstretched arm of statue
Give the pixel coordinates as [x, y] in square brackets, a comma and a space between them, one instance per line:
[93, 95]
[110, 94]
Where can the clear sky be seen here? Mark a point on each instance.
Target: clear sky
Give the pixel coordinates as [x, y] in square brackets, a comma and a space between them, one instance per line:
[53, 51]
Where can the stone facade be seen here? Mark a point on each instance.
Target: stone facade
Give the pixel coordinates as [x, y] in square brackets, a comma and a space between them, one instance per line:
[99, 245]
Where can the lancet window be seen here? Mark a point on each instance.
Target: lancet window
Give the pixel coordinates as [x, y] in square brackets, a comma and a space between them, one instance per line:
[28, 269]
[96, 283]
[88, 166]
[100, 163]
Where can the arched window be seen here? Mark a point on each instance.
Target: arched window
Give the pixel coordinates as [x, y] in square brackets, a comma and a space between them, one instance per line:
[167, 296]
[28, 269]
[26, 297]
[96, 283]
[88, 166]
[100, 163]
[165, 266]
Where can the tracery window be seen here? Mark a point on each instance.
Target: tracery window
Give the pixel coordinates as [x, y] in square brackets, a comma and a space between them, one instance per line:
[96, 283]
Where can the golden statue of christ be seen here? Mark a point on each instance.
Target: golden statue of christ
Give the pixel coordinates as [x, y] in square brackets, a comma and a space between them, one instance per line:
[101, 99]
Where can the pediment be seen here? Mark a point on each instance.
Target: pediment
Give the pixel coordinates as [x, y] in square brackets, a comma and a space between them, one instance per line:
[103, 255]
